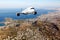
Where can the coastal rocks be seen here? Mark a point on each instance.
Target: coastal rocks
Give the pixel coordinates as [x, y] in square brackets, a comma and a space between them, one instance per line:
[30, 33]
[50, 16]
[8, 21]
[45, 27]
[53, 17]
[27, 31]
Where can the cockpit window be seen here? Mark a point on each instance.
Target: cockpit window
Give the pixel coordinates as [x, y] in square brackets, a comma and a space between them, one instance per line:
[32, 8]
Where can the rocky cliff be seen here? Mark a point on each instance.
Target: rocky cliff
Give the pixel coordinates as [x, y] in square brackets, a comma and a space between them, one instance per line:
[45, 27]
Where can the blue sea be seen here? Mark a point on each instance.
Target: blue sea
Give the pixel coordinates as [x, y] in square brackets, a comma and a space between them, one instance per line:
[11, 13]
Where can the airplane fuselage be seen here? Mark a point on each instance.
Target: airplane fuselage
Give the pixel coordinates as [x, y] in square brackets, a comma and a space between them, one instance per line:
[29, 10]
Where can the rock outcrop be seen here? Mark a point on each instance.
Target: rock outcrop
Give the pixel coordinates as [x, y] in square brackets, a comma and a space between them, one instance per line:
[45, 27]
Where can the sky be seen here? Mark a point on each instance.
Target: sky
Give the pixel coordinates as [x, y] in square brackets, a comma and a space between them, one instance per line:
[28, 3]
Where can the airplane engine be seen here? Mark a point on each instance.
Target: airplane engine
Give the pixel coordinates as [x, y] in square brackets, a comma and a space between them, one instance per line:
[35, 13]
[18, 14]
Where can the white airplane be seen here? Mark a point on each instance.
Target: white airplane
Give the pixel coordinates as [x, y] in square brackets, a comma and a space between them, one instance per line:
[29, 10]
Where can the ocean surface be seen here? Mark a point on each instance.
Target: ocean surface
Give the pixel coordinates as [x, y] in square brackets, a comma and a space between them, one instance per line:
[11, 13]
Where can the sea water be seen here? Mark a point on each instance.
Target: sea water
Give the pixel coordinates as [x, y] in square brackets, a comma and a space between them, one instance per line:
[11, 13]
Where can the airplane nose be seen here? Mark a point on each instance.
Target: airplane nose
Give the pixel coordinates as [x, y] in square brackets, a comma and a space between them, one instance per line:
[18, 14]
